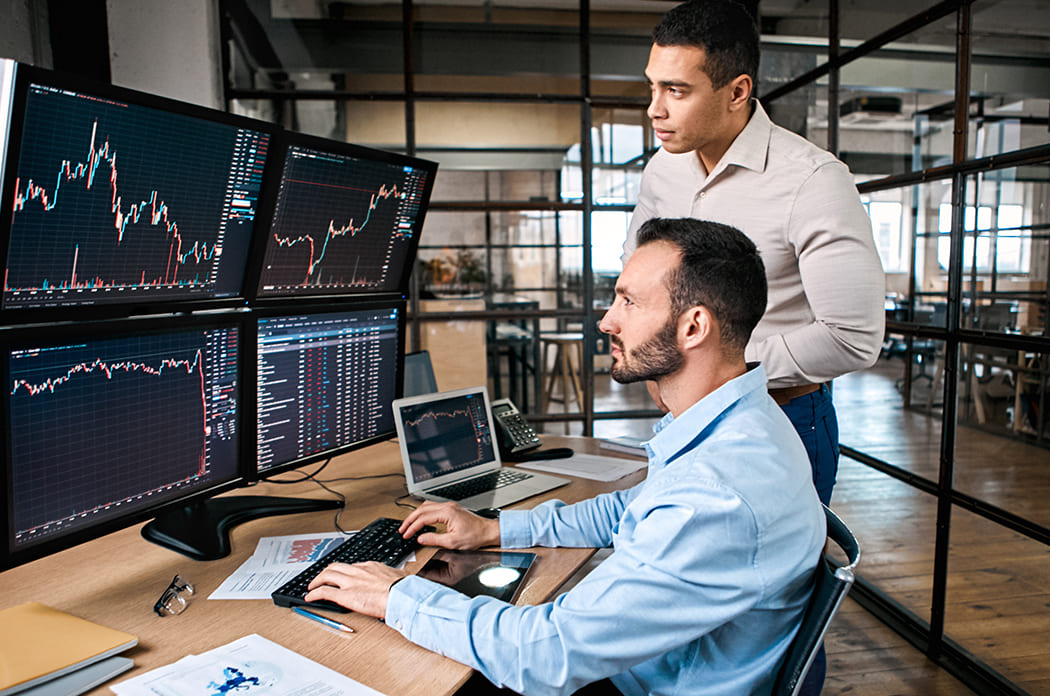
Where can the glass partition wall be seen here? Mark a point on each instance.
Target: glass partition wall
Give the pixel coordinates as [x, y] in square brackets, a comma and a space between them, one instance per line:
[536, 113]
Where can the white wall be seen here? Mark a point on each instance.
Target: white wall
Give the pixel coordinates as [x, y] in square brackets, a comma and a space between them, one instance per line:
[167, 47]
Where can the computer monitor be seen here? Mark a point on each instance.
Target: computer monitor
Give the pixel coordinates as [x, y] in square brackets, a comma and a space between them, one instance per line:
[116, 202]
[325, 381]
[419, 374]
[109, 423]
[345, 220]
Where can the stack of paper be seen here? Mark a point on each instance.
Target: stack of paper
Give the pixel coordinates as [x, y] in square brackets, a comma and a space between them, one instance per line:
[46, 651]
[624, 443]
[251, 664]
[588, 466]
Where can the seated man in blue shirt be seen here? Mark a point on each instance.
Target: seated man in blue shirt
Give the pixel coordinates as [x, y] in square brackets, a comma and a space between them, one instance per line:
[713, 553]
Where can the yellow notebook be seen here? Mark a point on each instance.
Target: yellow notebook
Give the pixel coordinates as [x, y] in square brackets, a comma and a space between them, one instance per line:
[38, 643]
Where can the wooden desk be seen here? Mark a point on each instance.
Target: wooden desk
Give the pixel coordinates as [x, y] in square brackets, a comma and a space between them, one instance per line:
[116, 579]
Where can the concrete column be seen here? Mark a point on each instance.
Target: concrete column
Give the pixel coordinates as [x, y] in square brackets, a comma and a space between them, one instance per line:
[167, 47]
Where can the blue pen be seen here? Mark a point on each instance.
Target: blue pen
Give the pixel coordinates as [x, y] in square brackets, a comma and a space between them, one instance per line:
[323, 619]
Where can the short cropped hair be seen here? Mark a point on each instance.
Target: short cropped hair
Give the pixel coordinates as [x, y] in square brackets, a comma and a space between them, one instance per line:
[722, 28]
[720, 269]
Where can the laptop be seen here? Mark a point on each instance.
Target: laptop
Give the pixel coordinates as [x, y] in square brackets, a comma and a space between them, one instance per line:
[449, 449]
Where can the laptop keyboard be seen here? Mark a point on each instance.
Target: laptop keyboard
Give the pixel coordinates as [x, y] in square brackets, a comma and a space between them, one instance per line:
[480, 484]
[379, 541]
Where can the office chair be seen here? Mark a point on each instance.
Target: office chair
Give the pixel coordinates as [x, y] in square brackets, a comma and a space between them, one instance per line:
[830, 587]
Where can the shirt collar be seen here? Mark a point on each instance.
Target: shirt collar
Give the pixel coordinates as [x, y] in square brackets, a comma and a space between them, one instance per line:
[749, 149]
[673, 435]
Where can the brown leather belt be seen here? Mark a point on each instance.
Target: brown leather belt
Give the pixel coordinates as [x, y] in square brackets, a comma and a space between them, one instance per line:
[784, 395]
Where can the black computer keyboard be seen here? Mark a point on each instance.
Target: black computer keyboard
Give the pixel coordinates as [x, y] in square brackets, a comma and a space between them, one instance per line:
[480, 484]
[379, 541]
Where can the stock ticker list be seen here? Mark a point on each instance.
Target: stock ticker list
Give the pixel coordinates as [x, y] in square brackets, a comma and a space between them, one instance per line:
[324, 381]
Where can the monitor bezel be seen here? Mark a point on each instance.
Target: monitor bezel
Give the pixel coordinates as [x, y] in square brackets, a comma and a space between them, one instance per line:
[16, 337]
[271, 187]
[251, 383]
[23, 76]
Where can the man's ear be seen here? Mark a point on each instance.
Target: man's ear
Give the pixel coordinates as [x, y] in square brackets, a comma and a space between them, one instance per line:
[695, 326]
[740, 92]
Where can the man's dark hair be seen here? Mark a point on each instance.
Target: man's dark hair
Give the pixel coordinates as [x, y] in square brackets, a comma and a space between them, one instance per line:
[723, 28]
[720, 269]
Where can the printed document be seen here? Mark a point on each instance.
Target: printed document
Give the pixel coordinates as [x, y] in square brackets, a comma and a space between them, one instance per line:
[250, 665]
[588, 466]
[276, 561]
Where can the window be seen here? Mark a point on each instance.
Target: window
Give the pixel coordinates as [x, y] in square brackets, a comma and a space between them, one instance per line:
[1012, 242]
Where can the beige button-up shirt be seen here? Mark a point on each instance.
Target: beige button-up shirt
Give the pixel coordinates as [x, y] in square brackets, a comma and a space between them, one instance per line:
[799, 204]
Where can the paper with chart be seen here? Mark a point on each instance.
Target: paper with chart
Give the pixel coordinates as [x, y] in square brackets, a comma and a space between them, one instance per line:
[250, 666]
[276, 561]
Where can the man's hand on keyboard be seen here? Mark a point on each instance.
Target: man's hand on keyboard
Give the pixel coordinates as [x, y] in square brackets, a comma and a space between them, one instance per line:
[361, 587]
[463, 529]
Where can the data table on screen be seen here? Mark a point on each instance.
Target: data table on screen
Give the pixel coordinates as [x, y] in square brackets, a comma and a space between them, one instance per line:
[324, 381]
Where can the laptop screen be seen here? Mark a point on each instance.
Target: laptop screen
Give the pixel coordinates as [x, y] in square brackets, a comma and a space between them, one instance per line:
[445, 433]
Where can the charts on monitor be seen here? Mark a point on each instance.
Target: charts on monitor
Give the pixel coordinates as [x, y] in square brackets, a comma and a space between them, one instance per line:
[342, 224]
[118, 202]
[100, 427]
[448, 435]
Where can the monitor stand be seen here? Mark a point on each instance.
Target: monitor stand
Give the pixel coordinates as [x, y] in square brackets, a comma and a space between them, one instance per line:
[202, 530]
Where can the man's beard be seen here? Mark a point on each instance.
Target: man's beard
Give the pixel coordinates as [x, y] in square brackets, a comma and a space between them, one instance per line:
[657, 357]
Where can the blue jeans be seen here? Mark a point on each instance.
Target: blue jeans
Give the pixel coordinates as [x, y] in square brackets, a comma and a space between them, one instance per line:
[813, 416]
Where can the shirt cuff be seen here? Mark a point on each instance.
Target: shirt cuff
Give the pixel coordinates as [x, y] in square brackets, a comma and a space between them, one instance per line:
[514, 529]
[403, 601]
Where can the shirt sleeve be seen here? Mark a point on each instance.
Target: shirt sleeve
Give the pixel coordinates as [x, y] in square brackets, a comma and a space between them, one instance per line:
[587, 524]
[644, 209]
[686, 569]
[843, 281]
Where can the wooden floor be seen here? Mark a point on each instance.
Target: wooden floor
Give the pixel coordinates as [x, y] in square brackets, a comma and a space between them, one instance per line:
[998, 603]
[998, 595]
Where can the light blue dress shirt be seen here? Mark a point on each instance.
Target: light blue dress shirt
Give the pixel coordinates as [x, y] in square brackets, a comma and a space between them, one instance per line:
[710, 571]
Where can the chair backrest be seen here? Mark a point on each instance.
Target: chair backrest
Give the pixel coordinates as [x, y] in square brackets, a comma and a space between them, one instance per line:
[419, 374]
[831, 583]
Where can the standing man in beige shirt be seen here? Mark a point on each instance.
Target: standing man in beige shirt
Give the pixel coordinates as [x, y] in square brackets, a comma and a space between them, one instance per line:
[722, 159]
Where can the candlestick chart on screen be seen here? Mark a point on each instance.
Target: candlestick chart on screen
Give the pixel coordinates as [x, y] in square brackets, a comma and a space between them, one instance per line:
[118, 202]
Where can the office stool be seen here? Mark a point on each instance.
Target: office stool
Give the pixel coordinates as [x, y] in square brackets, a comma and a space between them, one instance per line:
[565, 344]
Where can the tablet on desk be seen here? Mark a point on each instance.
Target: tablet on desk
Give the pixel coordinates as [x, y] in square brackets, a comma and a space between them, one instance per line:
[499, 574]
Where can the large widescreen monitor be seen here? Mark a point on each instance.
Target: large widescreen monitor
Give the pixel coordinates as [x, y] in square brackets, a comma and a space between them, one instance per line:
[345, 220]
[325, 381]
[116, 202]
[107, 424]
